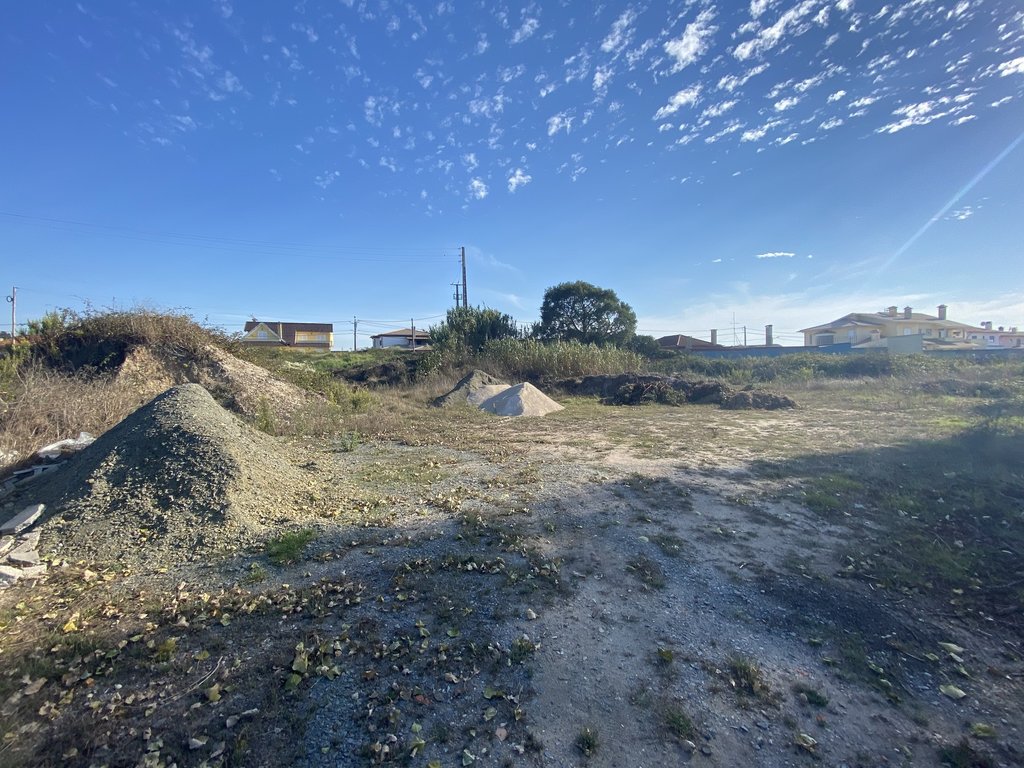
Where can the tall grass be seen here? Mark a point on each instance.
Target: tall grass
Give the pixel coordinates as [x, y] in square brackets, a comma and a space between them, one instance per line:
[530, 360]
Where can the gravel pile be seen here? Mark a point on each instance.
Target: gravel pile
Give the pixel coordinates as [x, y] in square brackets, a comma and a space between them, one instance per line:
[179, 478]
[520, 400]
[473, 388]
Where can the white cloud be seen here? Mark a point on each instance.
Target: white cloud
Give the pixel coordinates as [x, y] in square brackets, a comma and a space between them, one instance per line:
[601, 77]
[694, 41]
[769, 37]
[717, 110]
[685, 97]
[1014, 67]
[525, 32]
[519, 178]
[481, 44]
[832, 122]
[864, 101]
[478, 189]
[775, 255]
[469, 160]
[788, 103]
[961, 214]
[732, 82]
[836, 96]
[621, 33]
[558, 122]
[757, 7]
[324, 180]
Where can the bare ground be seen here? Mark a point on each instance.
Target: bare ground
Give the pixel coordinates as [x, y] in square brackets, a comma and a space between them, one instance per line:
[605, 586]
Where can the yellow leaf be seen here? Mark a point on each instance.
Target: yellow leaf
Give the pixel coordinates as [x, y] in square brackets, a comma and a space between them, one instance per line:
[952, 691]
[213, 693]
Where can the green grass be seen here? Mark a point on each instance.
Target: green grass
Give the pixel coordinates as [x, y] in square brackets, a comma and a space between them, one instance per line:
[587, 741]
[813, 696]
[678, 722]
[289, 547]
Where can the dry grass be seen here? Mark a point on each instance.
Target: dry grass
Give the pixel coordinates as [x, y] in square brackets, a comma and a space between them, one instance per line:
[52, 406]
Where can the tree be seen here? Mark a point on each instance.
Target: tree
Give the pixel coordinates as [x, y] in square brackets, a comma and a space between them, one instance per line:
[467, 329]
[583, 312]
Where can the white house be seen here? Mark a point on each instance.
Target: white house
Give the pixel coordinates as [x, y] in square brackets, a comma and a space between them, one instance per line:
[997, 338]
[403, 337]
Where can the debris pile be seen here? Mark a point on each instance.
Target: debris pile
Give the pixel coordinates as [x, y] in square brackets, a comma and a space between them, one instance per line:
[19, 555]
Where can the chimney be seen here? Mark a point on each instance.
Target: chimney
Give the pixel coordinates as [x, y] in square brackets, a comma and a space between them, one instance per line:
[767, 335]
[280, 331]
[908, 313]
[714, 335]
[892, 311]
[942, 311]
[987, 325]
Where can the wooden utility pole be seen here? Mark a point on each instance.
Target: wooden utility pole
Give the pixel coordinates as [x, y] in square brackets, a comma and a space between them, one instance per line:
[465, 300]
[355, 325]
[412, 327]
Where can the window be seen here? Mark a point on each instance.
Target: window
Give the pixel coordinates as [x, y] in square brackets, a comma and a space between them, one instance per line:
[311, 337]
[262, 335]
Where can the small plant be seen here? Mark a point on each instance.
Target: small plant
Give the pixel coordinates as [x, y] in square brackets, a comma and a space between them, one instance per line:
[288, 547]
[746, 677]
[648, 571]
[587, 741]
[264, 420]
[348, 441]
[166, 650]
[678, 722]
[522, 648]
[256, 574]
[812, 696]
[665, 657]
[963, 755]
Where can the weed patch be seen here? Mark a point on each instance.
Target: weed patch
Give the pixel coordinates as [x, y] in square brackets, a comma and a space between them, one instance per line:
[289, 547]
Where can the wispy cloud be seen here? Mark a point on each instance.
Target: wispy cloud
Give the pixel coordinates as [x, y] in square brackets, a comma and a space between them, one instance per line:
[694, 42]
[519, 178]
[680, 99]
[525, 32]
[478, 189]
[775, 255]
[559, 122]
[792, 21]
[621, 33]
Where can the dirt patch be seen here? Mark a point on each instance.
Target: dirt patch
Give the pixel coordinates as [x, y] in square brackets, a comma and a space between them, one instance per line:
[392, 373]
[757, 399]
[177, 478]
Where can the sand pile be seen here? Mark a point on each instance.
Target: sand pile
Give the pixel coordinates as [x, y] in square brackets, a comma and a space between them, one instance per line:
[473, 388]
[240, 385]
[177, 479]
[520, 400]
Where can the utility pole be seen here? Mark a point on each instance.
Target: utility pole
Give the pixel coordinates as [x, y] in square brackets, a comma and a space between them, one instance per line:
[465, 300]
[355, 325]
[458, 294]
[744, 335]
[13, 299]
[412, 327]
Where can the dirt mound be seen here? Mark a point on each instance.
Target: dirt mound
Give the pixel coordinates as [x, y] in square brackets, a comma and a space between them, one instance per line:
[961, 388]
[391, 373]
[757, 399]
[177, 479]
[473, 388]
[639, 389]
[520, 400]
[241, 386]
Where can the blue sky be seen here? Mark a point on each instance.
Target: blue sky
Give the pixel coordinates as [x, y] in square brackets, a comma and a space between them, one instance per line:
[714, 163]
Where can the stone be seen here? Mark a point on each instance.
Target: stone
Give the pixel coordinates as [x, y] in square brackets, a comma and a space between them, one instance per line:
[29, 540]
[6, 545]
[33, 571]
[9, 575]
[23, 519]
[23, 556]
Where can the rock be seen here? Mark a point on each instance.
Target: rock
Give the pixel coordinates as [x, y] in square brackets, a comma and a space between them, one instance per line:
[475, 387]
[9, 575]
[6, 545]
[29, 540]
[23, 556]
[531, 614]
[33, 571]
[23, 519]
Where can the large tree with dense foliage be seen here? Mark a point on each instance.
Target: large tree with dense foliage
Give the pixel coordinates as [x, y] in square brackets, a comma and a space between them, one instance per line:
[466, 329]
[583, 312]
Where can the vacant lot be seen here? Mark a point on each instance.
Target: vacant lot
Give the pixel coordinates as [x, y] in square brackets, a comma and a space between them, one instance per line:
[840, 584]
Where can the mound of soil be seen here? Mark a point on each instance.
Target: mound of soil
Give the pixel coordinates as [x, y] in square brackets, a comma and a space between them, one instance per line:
[243, 387]
[757, 399]
[474, 388]
[961, 388]
[638, 389]
[177, 479]
[520, 400]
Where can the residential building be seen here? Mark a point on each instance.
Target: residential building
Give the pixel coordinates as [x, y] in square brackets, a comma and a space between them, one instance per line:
[997, 338]
[688, 343]
[403, 337]
[872, 329]
[307, 335]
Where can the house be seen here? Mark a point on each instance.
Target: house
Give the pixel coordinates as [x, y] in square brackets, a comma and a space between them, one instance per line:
[680, 342]
[999, 338]
[403, 337]
[306, 335]
[865, 330]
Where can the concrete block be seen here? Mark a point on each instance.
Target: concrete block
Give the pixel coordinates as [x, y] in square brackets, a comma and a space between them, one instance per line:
[23, 519]
[6, 545]
[9, 575]
[29, 540]
[33, 571]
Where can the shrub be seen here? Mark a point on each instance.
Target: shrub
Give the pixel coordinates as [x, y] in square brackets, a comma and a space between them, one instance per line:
[536, 361]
